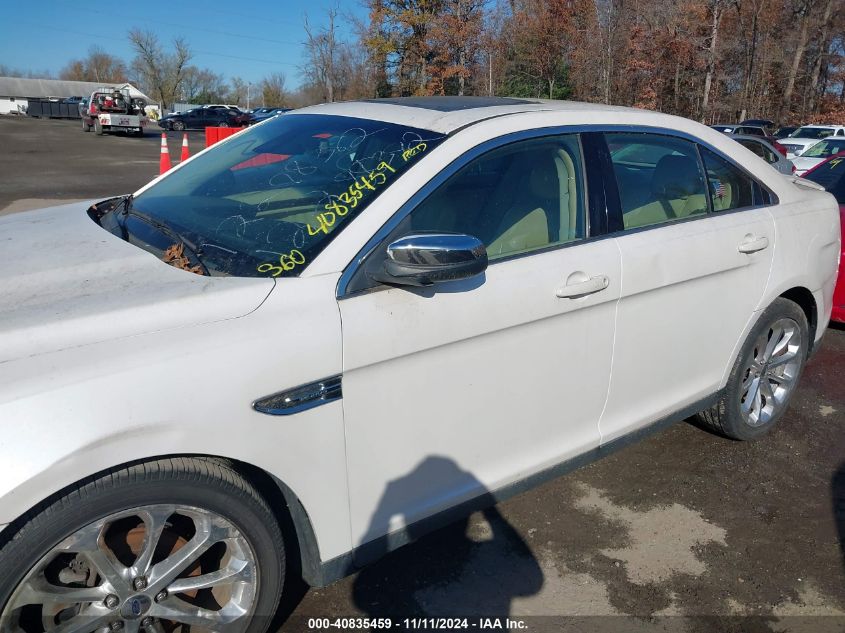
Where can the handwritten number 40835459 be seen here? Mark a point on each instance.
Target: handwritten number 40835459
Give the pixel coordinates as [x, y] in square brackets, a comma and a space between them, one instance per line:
[349, 199]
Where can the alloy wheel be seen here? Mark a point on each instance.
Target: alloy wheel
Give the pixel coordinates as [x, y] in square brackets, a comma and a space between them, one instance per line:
[158, 568]
[771, 371]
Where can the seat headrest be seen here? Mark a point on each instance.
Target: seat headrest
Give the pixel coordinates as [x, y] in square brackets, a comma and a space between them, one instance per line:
[543, 181]
[676, 177]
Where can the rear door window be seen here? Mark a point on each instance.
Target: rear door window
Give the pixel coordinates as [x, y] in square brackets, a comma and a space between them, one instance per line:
[659, 178]
[729, 188]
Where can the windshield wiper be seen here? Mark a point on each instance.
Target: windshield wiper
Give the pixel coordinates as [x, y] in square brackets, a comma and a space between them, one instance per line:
[164, 228]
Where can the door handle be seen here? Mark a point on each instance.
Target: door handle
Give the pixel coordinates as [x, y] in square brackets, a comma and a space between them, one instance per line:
[582, 288]
[752, 244]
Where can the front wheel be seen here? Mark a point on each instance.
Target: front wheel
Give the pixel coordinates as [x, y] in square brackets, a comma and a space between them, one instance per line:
[173, 542]
[764, 375]
[86, 127]
[179, 126]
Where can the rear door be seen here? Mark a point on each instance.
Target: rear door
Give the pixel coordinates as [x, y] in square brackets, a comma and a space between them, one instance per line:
[696, 243]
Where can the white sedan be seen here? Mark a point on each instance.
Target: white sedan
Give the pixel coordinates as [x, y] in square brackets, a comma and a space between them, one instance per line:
[817, 154]
[364, 319]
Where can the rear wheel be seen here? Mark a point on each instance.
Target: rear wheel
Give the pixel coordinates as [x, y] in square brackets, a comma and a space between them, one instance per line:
[98, 127]
[172, 544]
[86, 127]
[222, 124]
[764, 375]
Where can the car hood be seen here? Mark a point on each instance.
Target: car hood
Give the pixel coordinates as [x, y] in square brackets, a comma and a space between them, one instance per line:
[800, 140]
[67, 282]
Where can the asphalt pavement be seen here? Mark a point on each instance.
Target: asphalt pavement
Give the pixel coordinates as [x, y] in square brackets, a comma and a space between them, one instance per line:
[684, 531]
[53, 159]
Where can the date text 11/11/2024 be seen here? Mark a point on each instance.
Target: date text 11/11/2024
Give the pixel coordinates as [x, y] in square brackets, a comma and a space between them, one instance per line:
[418, 624]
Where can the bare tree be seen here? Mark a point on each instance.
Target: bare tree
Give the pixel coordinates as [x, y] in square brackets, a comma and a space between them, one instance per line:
[716, 9]
[273, 91]
[162, 72]
[802, 9]
[98, 66]
[321, 52]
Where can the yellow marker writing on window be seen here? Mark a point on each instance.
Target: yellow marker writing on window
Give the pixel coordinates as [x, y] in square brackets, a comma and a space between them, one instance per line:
[287, 261]
[409, 153]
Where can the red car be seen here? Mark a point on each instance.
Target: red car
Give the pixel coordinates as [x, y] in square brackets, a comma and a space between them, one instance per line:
[831, 175]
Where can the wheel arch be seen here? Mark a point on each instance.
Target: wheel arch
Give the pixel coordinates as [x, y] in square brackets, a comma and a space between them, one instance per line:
[798, 294]
[302, 550]
[807, 302]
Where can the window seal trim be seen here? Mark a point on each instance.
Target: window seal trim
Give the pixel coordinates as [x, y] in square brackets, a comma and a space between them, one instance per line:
[444, 174]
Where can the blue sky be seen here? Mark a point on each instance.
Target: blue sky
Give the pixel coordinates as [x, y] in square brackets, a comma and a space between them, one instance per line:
[246, 38]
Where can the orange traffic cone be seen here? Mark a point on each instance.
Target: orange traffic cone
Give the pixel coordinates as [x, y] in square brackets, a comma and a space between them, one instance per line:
[164, 160]
[185, 154]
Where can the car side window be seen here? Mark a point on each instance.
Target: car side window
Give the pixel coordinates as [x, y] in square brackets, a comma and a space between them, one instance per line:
[659, 178]
[729, 188]
[519, 198]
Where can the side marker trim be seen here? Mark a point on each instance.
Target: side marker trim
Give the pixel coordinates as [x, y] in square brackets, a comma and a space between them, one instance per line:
[301, 398]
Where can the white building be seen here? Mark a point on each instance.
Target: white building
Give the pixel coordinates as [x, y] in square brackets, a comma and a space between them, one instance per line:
[15, 92]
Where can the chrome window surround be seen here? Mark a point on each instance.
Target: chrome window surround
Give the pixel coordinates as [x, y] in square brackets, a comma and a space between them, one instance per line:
[301, 398]
[513, 137]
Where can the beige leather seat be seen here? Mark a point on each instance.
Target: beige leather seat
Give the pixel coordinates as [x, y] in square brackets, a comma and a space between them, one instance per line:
[677, 191]
[544, 213]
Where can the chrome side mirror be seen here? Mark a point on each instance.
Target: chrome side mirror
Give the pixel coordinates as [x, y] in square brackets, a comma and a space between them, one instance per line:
[425, 259]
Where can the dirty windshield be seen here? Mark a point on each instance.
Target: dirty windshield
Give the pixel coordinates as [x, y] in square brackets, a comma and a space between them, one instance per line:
[267, 201]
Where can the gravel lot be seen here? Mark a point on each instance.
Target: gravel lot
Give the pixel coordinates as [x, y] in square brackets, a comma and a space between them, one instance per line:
[684, 531]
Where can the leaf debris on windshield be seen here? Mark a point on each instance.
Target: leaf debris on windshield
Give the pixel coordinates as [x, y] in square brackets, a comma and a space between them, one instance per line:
[175, 256]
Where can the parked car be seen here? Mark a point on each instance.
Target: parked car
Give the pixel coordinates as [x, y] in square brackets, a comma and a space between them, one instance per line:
[808, 135]
[201, 118]
[365, 319]
[830, 174]
[725, 128]
[266, 114]
[767, 124]
[818, 153]
[783, 132]
[768, 152]
[750, 130]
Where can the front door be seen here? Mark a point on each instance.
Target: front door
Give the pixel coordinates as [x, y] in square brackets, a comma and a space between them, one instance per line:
[455, 390]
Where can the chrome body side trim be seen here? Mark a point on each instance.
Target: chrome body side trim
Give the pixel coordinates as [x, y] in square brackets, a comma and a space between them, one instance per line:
[301, 398]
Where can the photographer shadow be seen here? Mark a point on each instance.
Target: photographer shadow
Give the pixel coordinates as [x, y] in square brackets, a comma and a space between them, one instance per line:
[467, 568]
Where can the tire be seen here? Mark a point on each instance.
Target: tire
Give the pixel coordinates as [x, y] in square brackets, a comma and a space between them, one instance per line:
[98, 127]
[745, 410]
[179, 126]
[195, 501]
[86, 127]
[222, 124]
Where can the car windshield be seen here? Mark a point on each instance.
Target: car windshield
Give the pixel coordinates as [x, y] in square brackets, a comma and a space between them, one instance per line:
[269, 199]
[831, 176]
[823, 149]
[812, 132]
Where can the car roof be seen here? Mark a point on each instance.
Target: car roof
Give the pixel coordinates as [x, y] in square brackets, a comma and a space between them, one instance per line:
[447, 114]
[754, 139]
